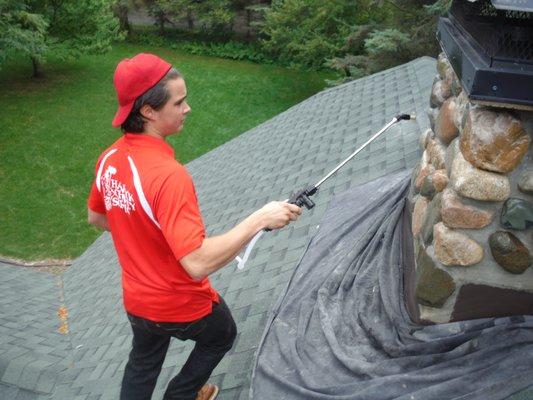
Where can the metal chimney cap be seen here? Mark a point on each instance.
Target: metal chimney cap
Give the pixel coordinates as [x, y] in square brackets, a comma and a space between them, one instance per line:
[513, 5]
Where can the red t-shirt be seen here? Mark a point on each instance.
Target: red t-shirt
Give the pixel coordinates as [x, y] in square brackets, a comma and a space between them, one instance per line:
[152, 210]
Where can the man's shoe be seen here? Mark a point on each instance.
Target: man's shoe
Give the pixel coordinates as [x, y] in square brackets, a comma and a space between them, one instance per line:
[207, 392]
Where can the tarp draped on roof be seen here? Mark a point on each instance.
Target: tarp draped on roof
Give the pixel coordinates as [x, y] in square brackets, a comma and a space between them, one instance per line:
[342, 331]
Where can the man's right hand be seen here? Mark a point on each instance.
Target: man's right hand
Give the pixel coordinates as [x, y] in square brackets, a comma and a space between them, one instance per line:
[277, 214]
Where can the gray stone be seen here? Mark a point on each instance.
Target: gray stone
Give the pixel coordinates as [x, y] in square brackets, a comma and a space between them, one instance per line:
[509, 252]
[455, 248]
[432, 217]
[440, 92]
[432, 114]
[428, 188]
[451, 151]
[526, 182]
[434, 285]
[517, 214]
[424, 137]
[462, 105]
[477, 184]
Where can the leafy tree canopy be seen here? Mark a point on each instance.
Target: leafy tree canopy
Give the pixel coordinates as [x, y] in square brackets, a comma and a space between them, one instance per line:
[67, 27]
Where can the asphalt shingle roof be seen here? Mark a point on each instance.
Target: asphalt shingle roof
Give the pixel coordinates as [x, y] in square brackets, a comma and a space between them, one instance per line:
[289, 151]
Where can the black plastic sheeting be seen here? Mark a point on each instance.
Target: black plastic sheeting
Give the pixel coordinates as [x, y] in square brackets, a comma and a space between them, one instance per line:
[342, 331]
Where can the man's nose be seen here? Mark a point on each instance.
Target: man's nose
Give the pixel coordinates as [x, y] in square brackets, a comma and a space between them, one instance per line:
[187, 108]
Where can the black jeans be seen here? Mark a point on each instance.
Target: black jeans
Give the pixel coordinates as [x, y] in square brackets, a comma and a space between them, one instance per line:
[214, 335]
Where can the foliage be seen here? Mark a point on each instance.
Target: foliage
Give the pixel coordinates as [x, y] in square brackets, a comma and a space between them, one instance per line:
[407, 32]
[200, 45]
[308, 31]
[212, 15]
[21, 31]
[37, 27]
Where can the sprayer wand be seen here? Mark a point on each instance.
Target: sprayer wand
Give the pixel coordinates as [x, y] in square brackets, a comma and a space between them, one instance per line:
[302, 197]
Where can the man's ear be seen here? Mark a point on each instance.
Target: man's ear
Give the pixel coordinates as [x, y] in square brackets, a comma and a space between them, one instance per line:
[147, 112]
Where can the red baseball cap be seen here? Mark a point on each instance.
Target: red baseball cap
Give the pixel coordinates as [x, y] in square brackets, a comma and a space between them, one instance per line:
[134, 76]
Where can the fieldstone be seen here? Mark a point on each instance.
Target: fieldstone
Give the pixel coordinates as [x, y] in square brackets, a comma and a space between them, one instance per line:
[425, 169]
[440, 179]
[476, 183]
[413, 190]
[526, 182]
[432, 114]
[433, 183]
[509, 252]
[440, 92]
[436, 153]
[428, 189]
[517, 214]
[460, 111]
[419, 214]
[454, 248]
[434, 285]
[432, 217]
[493, 140]
[455, 214]
[444, 67]
[445, 127]
[424, 137]
[455, 86]
[451, 151]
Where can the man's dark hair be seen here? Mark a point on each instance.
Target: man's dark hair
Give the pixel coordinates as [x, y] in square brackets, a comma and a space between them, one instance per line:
[155, 97]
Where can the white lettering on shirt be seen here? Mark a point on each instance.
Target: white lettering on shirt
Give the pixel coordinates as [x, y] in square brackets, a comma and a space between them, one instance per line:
[115, 192]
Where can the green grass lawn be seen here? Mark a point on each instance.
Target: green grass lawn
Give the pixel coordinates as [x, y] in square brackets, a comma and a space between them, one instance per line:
[53, 129]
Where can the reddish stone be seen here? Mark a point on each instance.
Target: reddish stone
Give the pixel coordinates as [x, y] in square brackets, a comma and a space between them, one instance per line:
[440, 179]
[445, 127]
[458, 215]
[493, 140]
[454, 248]
[437, 153]
[419, 214]
[425, 169]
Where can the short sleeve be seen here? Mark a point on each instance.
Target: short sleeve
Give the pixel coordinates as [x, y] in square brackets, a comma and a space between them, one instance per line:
[178, 213]
[95, 202]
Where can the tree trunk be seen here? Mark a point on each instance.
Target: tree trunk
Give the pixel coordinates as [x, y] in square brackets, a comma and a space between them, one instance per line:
[161, 23]
[248, 27]
[122, 14]
[37, 67]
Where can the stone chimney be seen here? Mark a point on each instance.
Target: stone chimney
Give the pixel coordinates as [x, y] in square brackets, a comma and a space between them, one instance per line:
[472, 207]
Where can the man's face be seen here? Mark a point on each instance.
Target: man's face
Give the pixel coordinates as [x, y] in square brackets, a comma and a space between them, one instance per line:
[170, 118]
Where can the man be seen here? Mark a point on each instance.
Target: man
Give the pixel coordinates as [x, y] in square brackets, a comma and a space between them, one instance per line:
[147, 200]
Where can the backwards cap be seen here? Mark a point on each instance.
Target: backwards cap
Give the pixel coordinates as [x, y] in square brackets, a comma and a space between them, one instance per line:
[134, 76]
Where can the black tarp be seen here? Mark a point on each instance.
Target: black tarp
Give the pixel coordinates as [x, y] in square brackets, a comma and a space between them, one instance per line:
[341, 330]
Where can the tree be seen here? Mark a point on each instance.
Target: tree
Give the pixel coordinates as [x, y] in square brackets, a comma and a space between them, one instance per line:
[66, 27]
[406, 31]
[307, 32]
[22, 32]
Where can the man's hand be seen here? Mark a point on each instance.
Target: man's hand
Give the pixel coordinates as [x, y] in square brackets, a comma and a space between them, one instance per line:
[277, 214]
[217, 251]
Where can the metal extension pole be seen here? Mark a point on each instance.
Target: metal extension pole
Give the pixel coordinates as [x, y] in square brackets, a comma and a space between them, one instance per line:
[374, 137]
